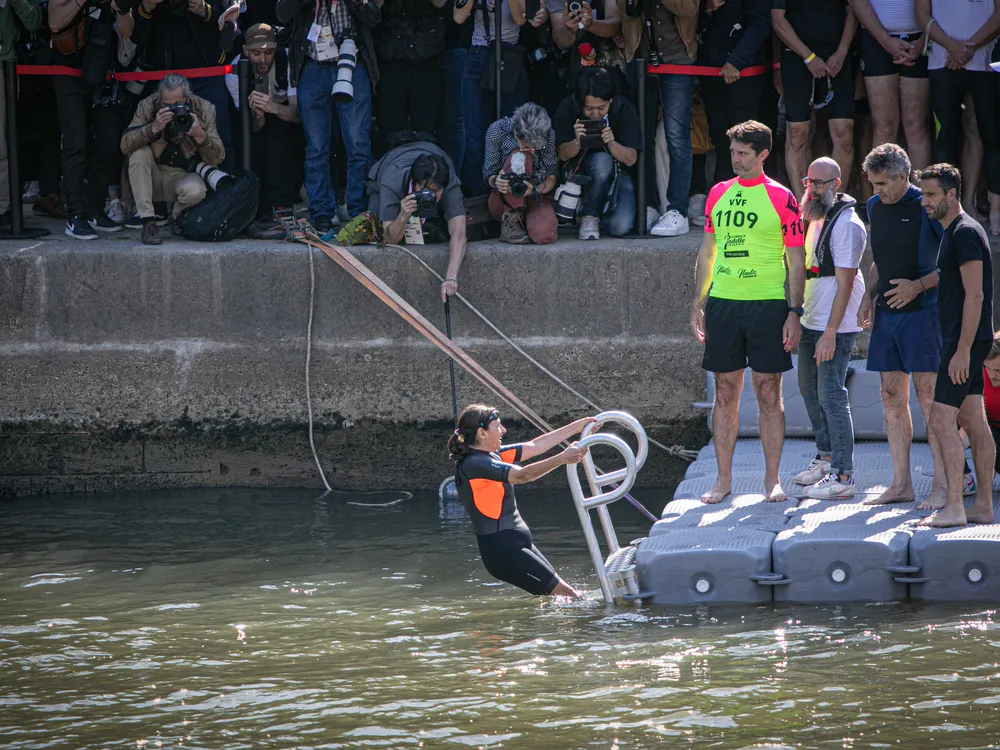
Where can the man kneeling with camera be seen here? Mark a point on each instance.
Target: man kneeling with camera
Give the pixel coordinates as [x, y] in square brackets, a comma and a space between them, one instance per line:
[172, 132]
[407, 188]
[520, 166]
[599, 136]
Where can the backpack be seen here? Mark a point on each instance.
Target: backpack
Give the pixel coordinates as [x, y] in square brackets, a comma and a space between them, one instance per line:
[224, 213]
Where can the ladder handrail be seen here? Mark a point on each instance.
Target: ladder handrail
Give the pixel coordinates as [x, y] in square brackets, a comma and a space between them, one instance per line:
[626, 419]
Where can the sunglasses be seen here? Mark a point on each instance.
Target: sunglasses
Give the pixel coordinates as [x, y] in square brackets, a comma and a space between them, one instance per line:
[829, 94]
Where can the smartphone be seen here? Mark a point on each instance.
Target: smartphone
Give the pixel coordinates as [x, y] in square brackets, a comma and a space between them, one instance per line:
[575, 6]
[531, 8]
[262, 84]
[592, 135]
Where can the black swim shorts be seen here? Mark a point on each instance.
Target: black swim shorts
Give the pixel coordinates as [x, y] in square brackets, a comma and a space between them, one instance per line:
[510, 556]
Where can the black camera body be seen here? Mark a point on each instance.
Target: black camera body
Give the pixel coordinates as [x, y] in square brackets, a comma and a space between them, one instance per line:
[427, 204]
[183, 118]
[518, 184]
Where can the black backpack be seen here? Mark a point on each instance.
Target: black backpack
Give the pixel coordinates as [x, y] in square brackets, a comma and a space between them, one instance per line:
[224, 213]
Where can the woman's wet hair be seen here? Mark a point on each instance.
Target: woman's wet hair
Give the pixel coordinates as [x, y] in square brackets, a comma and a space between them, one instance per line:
[473, 416]
[430, 169]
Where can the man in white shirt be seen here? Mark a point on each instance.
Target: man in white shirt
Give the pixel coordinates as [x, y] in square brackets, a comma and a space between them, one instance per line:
[835, 241]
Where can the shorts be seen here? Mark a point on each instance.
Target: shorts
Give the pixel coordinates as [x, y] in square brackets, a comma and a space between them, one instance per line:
[905, 342]
[745, 332]
[511, 557]
[875, 61]
[949, 394]
[797, 82]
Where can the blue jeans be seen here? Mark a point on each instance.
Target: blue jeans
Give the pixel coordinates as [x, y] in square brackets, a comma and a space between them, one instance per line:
[824, 391]
[480, 109]
[452, 128]
[675, 97]
[600, 167]
[316, 107]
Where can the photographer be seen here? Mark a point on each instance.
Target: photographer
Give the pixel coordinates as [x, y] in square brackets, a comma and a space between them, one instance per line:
[180, 34]
[609, 198]
[171, 131]
[342, 57]
[407, 188]
[520, 167]
[277, 145]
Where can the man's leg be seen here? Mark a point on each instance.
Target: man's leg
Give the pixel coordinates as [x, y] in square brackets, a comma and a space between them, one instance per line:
[771, 416]
[885, 116]
[452, 129]
[356, 125]
[947, 92]
[944, 421]
[141, 167]
[478, 117]
[622, 219]
[72, 103]
[899, 433]
[972, 416]
[915, 103]
[796, 154]
[316, 111]
[832, 379]
[842, 133]
[600, 167]
[4, 179]
[809, 388]
[280, 155]
[213, 89]
[392, 95]
[190, 190]
[725, 427]
[923, 383]
[675, 95]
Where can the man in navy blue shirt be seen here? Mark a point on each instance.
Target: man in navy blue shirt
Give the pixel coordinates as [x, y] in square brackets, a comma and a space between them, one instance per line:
[965, 308]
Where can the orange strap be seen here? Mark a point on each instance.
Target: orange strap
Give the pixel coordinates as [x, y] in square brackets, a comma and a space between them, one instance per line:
[138, 75]
[703, 70]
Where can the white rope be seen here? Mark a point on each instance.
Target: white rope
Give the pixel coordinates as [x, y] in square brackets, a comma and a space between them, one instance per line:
[676, 450]
[403, 494]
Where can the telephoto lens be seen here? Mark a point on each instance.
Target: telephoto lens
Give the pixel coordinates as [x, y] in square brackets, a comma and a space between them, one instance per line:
[568, 201]
[214, 177]
[343, 87]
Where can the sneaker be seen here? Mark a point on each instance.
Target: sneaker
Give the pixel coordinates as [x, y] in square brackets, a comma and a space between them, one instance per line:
[79, 228]
[151, 234]
[590, 228]
[137, 222]
[343, 215]
[115, 211]
[512, 229]
[322, 225]
[671, 224]
[30, 191]
[652, 216]
[831, 488]
[103, 223]
[969, 486]
[696, 209]
[50, 205]
[816, 471]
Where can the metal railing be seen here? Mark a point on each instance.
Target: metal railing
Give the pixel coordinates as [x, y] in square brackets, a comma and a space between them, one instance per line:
[617, 572]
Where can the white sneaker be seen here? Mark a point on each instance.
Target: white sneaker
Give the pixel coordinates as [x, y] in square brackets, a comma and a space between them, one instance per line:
[590, 229]
[671, 224]
[831, 488]
[652, 216]
[816, 471]
[342, 217]
[116, 211]
[696, 209]
[969, 486]
[30, 191]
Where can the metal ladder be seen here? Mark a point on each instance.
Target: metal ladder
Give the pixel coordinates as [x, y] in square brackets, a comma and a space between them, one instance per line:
[616, 573]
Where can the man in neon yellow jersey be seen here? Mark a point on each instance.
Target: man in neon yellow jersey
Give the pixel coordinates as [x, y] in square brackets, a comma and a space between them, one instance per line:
[739, 310]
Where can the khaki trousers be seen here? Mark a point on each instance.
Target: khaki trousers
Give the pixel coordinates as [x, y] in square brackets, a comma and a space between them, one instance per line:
[154, 182]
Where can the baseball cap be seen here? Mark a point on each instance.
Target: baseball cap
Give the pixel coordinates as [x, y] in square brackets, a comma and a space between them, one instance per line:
[261, 36]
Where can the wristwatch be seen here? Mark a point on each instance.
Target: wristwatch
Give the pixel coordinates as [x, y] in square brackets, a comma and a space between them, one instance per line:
[800, 311]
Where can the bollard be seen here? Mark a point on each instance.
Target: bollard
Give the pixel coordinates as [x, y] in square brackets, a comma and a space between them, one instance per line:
[243, 76]
[640, 188]
[18, 230]
[498, 45]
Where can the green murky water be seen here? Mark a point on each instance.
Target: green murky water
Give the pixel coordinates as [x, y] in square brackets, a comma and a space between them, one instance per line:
[252, 619]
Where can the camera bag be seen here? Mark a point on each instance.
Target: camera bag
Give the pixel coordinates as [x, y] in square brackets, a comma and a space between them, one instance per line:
[224, 213]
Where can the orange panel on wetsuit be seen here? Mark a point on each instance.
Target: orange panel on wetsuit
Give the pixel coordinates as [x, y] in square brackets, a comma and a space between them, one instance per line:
[481, 481]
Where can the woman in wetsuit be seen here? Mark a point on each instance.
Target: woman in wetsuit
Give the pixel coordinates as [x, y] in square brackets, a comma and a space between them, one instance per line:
[485, 474]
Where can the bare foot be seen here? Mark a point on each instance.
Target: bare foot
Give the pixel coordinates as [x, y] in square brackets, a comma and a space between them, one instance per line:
[893, 495]
[935, 500]
[945, 518]
[774, 493]
[975, 514]
[718, 493]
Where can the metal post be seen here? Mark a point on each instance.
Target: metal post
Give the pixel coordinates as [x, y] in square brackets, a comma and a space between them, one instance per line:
[640, 189]
[498, 46]
[18, 230]
[451, 363]
[243, 75]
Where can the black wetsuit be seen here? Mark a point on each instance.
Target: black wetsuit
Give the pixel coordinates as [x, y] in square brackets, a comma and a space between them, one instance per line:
[504, 539]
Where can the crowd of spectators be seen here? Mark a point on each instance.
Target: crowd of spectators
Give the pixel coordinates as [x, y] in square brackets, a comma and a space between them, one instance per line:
[341, 84]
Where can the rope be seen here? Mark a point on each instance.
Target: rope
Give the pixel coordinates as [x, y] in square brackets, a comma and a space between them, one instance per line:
[676, 451]
[404, 495]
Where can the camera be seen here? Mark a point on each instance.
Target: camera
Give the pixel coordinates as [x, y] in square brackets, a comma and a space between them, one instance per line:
[183, 118]
[427, 204]
[343, 87]
[518, 184]
[214, 177]
[568, 201]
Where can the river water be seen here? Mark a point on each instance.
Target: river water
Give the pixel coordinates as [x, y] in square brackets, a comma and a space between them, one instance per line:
[279, 619]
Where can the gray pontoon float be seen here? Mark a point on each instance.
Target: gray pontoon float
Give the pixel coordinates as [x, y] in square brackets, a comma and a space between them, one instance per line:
[745, 550]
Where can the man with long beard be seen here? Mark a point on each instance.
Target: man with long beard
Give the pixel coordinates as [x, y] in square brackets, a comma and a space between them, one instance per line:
[835, 241]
